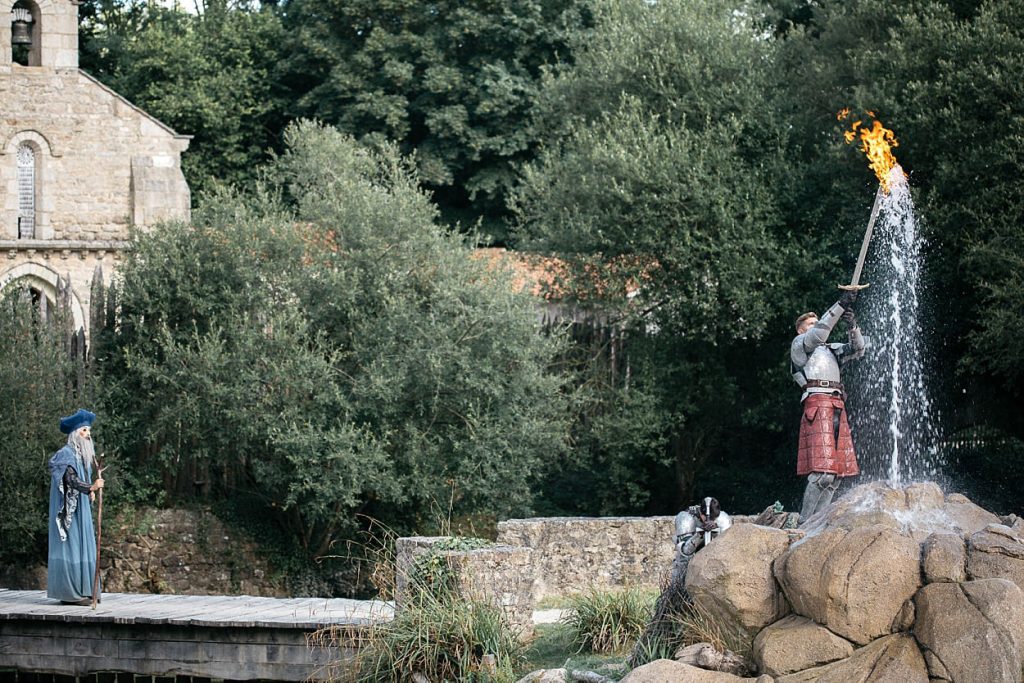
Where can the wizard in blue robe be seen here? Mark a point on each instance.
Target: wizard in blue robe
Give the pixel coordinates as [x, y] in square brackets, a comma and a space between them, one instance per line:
[72, 539]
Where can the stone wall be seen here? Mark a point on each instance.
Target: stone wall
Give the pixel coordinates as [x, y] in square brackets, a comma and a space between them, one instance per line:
[187, 552]
[572, 554]
[498, 574]
[96, 154]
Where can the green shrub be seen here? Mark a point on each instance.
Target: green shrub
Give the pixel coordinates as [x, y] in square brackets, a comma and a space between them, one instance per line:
[40, 380]
[443, 638]
[608, 621]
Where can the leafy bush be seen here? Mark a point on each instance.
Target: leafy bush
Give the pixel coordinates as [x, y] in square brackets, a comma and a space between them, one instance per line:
[39, 382]
[325, 347]
[608, 621]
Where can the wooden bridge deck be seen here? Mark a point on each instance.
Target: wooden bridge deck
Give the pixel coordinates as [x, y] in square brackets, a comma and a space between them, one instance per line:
[230, 637]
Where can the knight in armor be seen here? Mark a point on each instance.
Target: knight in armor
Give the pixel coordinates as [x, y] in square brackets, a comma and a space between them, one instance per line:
[826, 453]
[695, 527]
[698, 525]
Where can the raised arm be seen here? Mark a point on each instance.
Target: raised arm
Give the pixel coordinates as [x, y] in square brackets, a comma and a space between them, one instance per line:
[818, 335]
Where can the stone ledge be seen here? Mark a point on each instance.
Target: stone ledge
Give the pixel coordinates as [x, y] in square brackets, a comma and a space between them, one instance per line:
[61, 245]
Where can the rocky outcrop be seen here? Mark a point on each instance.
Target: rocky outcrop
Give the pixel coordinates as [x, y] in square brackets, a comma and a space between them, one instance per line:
[903, 585]
[797, 643]
[944, 558]
[732, 579]
[667, 670]
[972, 631]
[854, 582]
[894, 658]
[996, 551]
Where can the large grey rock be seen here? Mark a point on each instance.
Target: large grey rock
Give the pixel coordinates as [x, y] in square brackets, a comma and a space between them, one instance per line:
[669, 671]
[893, 659]
[944, 558]
[996, 552]
[967, 518]
[972, 631]
[796, 643]
[916, 511]
[854, 582]
[732, 579]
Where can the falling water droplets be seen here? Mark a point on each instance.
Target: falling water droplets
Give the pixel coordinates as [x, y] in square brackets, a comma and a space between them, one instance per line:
[890, 408]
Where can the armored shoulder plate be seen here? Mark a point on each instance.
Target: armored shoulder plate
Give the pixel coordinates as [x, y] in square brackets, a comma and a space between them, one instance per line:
[686, 524]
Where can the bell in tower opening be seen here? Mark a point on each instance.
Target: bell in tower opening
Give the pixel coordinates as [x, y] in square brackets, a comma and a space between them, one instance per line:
[21, 34]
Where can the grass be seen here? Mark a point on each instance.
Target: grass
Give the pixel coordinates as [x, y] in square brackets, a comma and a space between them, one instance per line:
[438, 633]
[608, 621]
[553, 647]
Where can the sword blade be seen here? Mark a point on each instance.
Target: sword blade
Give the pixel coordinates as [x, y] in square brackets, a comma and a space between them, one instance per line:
[867, 238]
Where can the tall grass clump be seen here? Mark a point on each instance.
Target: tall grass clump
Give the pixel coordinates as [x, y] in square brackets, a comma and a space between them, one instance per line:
[608, 621]
[444, 639]
[437, 633]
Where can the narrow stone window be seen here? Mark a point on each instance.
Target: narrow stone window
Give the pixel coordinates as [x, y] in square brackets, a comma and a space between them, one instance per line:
[26, 193]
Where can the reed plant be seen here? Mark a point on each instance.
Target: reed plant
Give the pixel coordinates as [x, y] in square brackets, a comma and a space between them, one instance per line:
[608, 621]
[437, 634]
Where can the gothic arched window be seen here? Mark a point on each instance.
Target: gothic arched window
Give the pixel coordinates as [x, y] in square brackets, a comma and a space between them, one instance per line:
[26, 192]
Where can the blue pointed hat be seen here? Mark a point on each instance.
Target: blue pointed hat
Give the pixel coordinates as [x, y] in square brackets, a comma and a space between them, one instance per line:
[82, 418]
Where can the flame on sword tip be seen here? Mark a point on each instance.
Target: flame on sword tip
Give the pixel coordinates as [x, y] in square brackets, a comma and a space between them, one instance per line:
[877, 143]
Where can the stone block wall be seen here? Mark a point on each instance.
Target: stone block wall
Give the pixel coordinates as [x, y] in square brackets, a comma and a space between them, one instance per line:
[100, 161]
[572, 554]
[499, 574]
[187, 552]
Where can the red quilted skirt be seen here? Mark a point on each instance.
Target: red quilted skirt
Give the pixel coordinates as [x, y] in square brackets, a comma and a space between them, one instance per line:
[819, 450]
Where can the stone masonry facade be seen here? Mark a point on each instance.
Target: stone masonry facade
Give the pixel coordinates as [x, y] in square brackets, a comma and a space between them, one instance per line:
[79, 164]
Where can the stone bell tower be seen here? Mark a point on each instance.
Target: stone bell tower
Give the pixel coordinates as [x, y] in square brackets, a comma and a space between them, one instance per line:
[79, 164]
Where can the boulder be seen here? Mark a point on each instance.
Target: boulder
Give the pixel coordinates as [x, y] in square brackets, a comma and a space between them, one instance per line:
[894, 659]
[944, 558]
[972, 631]
[996, 552]
[916, 511]
[731, 579]
[854, 582]
[545, 676]
[797, 643]
[707, 656]
[967, 518]
[667, 670]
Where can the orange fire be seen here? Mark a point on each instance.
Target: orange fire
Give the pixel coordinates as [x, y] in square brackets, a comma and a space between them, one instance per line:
[877, 142]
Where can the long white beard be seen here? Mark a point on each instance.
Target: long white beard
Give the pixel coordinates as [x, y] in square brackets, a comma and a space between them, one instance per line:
[83, 447]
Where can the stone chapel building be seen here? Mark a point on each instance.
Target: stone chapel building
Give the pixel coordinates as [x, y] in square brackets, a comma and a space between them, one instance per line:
[79, 164]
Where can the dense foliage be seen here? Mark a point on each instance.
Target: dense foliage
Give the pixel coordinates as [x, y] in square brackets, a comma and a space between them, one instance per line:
[40, 379]
[322, 347]
[325, 347]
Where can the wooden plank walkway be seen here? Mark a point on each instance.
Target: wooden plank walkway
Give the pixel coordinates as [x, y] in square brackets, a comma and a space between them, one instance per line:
[232, 637]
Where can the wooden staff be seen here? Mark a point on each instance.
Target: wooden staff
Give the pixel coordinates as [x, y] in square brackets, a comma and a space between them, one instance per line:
[99, 539]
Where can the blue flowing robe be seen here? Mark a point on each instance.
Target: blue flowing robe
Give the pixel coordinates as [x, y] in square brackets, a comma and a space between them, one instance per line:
[72, 538]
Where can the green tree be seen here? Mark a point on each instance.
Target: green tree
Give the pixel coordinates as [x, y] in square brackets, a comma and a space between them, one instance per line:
[212, 76]
[39, 381]
[325, 346]
[662, 180]
[456, 82]
[939, 74]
